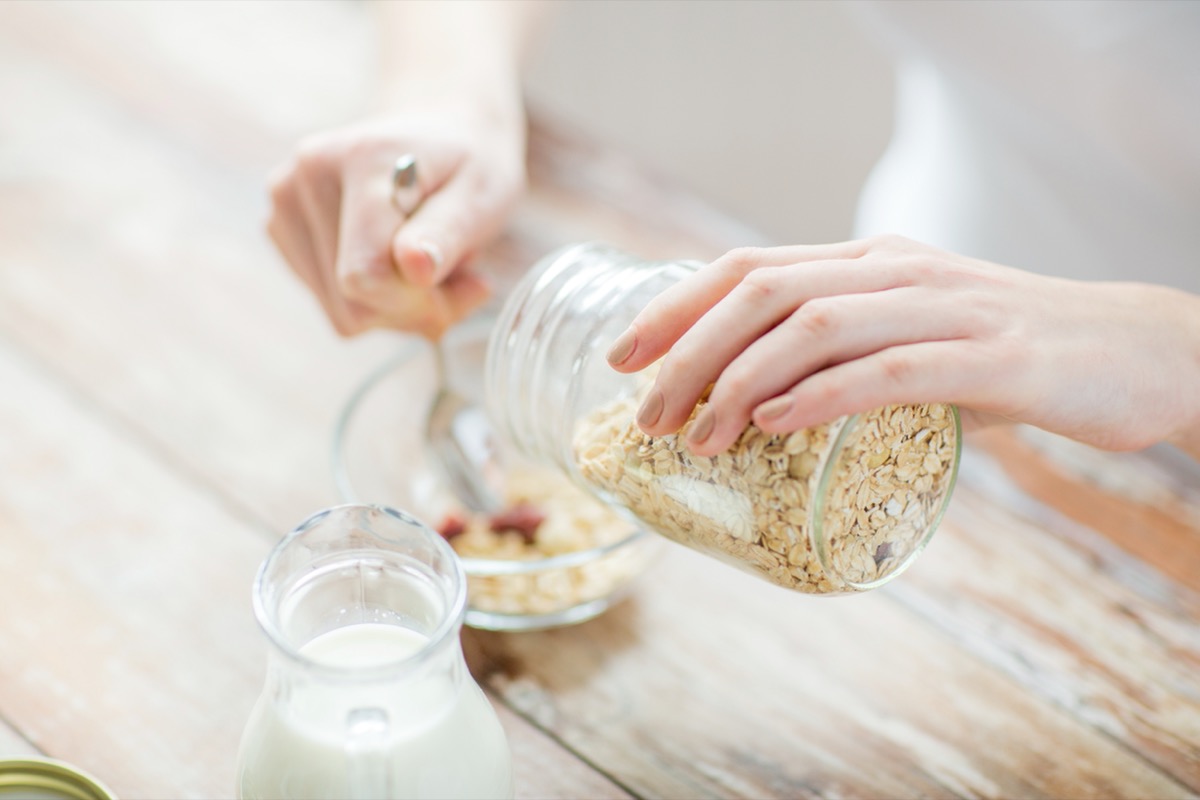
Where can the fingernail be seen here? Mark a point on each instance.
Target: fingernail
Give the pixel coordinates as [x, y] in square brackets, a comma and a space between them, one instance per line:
[775, 407]
[434, 252]
[651, 409]
[622, 348]
[421, 270]
[702, 426]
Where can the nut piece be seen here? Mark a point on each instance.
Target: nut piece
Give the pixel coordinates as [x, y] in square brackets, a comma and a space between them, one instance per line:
[524, 518]
[453, 524]
[546, 516]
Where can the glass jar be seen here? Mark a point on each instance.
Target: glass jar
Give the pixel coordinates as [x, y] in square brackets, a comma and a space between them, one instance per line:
[577, 562]
[836, 508]
[367, 692]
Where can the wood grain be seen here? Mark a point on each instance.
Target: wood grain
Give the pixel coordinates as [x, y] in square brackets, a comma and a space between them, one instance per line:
[136, 656]
[1109, 493]
[168, 397]
[712, 684]
[1111, 642]
[542, 769]
[13, 744]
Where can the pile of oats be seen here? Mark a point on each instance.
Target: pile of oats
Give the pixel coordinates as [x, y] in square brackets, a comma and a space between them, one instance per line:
[545, 516]
[750, 506]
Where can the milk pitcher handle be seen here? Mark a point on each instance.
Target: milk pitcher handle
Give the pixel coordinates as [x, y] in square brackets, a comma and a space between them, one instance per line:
[369, 777]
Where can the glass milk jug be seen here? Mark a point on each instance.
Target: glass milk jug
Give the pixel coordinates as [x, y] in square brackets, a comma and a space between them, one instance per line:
[367, 693]
[837, 508]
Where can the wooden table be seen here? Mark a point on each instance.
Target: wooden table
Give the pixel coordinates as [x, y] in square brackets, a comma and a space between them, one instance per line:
[167, 393]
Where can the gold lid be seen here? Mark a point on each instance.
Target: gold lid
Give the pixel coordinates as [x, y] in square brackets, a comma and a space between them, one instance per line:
[29, 778]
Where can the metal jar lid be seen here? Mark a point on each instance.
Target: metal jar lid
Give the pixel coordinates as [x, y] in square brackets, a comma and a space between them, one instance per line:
[28, 778]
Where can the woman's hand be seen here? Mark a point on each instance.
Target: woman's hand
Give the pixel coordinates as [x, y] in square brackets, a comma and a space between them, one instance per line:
[334, 220]
[794, 336]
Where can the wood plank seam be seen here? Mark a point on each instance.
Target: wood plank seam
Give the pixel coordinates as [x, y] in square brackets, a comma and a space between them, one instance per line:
[912, 603]
[498, 699]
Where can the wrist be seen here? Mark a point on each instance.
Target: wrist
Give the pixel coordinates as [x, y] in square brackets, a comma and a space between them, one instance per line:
[461, 57]
[481, 101]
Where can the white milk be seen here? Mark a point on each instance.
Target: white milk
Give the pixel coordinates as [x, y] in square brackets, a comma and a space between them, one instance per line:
[442, 738]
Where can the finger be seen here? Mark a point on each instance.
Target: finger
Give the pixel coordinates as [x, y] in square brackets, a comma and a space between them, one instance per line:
[319, 191]
[288, 229]
[946, 371]
[451, 223]
[665, 318]
[431, 311]
[286, 215]
[466, 291]
[367, 220]
[754, 306]
[821, 333]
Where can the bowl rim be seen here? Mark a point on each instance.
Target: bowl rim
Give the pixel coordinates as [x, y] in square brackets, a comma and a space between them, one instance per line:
[474, 567]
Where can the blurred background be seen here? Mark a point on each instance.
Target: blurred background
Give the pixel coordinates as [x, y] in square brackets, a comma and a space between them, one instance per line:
[772, 111]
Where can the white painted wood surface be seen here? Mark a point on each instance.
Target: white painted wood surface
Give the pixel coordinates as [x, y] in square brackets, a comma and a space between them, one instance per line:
[168, 394]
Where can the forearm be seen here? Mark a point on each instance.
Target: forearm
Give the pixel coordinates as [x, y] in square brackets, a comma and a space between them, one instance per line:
[454, 54]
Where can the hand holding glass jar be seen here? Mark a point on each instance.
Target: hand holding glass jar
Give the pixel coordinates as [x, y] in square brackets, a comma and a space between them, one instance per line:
[795, 336]
[838, 507]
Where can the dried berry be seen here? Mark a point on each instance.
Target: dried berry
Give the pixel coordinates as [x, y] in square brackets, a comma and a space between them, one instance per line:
[524, 518]
[452, 525]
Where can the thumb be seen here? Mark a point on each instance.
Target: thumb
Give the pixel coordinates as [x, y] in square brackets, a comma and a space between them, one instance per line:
[449, 225]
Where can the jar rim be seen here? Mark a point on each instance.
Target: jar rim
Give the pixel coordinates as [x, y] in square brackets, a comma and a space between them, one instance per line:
[816, 512]
[472, 566]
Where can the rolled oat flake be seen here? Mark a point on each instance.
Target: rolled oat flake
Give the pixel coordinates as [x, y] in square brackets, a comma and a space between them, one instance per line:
[29, 778]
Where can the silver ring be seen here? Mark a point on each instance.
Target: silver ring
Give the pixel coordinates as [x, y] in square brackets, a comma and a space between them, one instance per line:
[406, 195]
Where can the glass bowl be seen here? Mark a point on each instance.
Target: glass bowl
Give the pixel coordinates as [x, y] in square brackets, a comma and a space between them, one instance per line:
[583, 556]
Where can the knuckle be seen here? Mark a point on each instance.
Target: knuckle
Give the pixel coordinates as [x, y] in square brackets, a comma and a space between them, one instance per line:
[760, 284]
[343, 328]
[350, 285]
[677, 363]
[898, 368]
[363, 152]
[889, 242]
[828, 395]
[817, 318]
[315, 154]
[741, 261]
[280, 185]
[734, 385]
[920, 270]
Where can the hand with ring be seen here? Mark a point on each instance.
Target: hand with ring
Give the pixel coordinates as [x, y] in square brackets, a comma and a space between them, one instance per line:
[380, 219]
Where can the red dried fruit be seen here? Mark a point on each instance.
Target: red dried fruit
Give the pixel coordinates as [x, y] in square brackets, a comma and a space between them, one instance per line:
[524, 518]
[452, 525]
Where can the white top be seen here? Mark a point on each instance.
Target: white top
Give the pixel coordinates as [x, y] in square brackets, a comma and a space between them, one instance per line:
[1060, 137]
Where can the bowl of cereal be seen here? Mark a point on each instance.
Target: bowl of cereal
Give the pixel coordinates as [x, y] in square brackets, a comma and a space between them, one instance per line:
[548, 555]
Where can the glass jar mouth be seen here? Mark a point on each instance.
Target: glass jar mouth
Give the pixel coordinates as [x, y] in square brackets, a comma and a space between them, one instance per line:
[472, 566]
[441, 636]
[816, 525]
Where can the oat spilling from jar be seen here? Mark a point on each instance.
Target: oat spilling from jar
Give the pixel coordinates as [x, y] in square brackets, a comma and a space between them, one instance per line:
[544, 516]
[750, 505]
